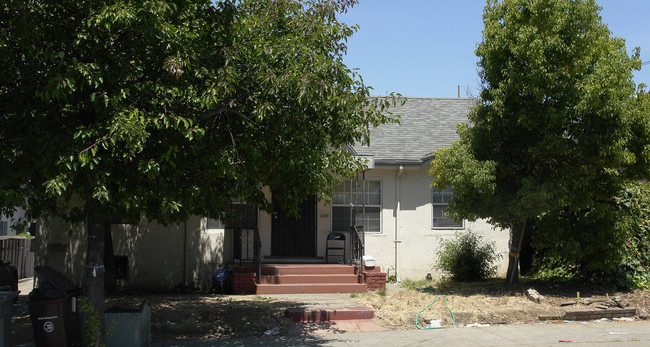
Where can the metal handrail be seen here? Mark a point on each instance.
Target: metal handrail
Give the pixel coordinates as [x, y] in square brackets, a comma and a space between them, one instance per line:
[257, 252]
[357, 250]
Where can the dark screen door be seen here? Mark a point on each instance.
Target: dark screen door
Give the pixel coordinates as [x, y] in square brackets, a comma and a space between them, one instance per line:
[295, 237]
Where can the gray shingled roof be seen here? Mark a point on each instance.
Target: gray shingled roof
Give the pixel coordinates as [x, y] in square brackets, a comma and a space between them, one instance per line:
[427, 124]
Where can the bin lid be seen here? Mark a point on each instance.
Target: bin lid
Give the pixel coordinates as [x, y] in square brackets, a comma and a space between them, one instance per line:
[57, 280]
[336, 236]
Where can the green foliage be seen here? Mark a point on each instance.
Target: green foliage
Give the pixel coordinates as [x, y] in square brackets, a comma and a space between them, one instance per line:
[583, 237]
[557, 118]
[91, 324]
[635, 206]
[608, 244]
[467, 257]
[391, 278]
[176, 108]
[111, 110]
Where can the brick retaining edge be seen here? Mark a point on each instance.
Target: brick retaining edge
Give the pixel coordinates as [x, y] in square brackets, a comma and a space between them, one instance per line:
[590, 314]
[375, 280]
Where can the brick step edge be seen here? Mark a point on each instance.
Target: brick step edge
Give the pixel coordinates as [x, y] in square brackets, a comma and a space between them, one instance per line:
[329, 314]
[580, 314]
[310, 288]
[308, 279]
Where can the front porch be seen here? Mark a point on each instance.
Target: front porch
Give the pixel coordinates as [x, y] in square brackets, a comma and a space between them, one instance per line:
[306, 279]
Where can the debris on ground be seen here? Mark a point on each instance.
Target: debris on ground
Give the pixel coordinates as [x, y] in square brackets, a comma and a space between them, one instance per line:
[272, 332]
[534, 295]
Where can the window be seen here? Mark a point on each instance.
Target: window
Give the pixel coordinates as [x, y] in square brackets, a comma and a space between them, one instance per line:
[352, 192]
[242, 216]
[3, 228]
[440, 201]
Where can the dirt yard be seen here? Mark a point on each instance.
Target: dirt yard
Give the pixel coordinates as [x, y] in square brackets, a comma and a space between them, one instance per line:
[490, 302]
[179, 316]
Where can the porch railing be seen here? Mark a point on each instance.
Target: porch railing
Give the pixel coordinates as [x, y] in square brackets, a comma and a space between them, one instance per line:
[258, 254]
[356, 250]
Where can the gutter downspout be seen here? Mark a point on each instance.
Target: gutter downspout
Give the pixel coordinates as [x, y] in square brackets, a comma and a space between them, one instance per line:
[400, 170]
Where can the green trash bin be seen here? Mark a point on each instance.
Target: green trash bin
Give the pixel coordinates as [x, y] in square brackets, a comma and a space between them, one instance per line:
[53, 309]
[8, 277]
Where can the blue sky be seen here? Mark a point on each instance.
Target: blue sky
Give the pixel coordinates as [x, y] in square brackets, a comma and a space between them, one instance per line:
[425, 48]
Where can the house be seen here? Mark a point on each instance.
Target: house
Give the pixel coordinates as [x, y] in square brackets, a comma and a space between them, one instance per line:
[7, 222]
[402, 216]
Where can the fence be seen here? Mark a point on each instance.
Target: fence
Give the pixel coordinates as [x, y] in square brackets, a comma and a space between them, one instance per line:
[17, 250]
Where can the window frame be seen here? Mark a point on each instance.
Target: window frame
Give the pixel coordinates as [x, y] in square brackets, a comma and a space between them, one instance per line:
[365, 196]
[444, 204]
[219, 224]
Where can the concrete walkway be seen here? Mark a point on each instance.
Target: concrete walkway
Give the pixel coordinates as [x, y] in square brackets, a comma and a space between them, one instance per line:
[25, 285]
[617, 333]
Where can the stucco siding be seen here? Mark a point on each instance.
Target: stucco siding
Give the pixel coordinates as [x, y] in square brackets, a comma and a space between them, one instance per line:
[415, 252]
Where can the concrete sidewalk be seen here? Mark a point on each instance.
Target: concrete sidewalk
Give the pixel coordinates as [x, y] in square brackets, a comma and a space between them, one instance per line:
[617, 333]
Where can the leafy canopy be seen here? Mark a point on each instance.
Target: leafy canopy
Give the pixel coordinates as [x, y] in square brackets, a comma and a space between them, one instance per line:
[557, 124]
[175, 108]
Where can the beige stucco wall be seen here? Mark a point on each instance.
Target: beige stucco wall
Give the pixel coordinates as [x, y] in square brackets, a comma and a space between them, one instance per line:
[165, 257]
[411, 225]
[157, 256]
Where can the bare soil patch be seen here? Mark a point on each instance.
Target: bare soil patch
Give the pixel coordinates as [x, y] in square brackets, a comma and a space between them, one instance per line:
[198, 316]
[183, 316]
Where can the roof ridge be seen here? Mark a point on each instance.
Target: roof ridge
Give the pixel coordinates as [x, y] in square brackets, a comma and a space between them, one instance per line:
[425, 97]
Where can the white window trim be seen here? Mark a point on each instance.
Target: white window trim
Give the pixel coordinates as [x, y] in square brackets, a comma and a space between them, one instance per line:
[433, 204]
[381, 208]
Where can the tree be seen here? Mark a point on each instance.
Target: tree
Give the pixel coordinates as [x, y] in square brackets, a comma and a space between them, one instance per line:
[110, 109]
[556, 128]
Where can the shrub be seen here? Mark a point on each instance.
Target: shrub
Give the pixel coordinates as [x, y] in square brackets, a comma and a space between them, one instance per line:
[467, 257]
[609, 245]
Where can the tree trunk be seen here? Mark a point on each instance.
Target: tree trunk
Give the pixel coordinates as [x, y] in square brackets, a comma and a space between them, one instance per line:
[527, 251]
[110, 277]
[96, 224]
[516, 236]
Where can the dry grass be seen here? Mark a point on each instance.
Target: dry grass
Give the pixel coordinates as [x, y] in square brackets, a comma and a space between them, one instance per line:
[490, 302]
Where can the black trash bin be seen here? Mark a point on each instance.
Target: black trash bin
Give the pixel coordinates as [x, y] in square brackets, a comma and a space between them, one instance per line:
[53, 309]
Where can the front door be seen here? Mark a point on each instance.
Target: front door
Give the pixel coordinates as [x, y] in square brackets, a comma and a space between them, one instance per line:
[295, 237]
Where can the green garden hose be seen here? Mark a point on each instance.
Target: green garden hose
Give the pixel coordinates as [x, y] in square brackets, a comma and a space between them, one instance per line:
[431, 290]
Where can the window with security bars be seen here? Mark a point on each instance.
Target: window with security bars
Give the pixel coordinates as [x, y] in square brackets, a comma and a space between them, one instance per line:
[241, 216]
[352, 197]
[440, 201]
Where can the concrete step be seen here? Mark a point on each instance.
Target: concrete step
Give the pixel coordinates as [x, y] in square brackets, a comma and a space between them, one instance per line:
[307, 269]
[321, 278]
[314, 314]
[310, 288]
